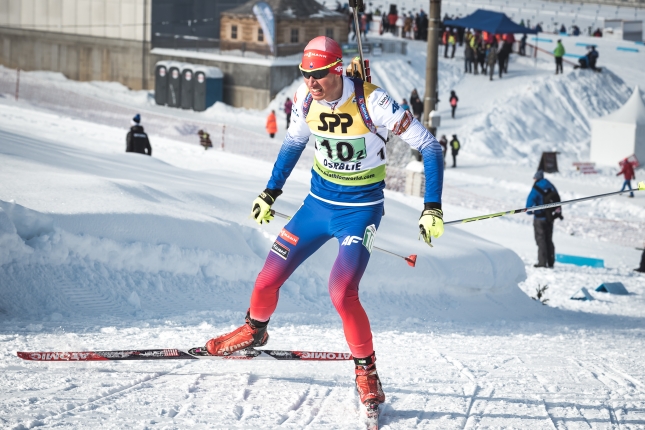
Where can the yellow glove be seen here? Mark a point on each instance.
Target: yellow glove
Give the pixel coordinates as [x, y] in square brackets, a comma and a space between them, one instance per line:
[261, 208]
[641, 186]
[431, 224]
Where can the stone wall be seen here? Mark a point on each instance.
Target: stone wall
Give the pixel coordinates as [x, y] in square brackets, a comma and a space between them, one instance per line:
[82, 58]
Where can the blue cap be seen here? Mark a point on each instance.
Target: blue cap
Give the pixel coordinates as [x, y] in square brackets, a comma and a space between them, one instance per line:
[538, 175]
[137, 118]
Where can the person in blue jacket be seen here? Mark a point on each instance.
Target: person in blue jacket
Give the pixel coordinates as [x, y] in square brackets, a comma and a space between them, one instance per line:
[542, 225]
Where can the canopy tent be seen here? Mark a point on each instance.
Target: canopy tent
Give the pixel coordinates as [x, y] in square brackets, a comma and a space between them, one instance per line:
[620, 134]
[489, 21]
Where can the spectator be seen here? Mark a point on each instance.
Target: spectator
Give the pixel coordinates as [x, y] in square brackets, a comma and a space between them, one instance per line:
[481, 55]
[563, 29]
[444, 146]
[597, 33]
[385, 24]
[452, 41]
[444, 39]
[628, 171]
[137, 139]
[538, 28]
[287, 110]
[507, 47]
[417, 104]
[502, 57]
[641, 268]
[593, 57]
[453, 102]
[392, 18]
[523, 45]
[542, 221]
[407, 27]
[204, 139]
[454, 149]
[469, 55]
[522, 22]
[405, 105]
[491, 59]
[575, 30]
[558, 53]
[271, 125]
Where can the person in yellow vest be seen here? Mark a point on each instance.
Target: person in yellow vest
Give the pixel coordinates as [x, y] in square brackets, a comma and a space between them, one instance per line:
[349, 120]
[452, 41]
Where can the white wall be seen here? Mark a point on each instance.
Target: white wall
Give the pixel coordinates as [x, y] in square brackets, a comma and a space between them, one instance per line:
[117, 19]
[612, 142]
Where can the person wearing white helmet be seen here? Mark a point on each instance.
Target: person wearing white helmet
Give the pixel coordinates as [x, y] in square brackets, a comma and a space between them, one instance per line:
[349, 120]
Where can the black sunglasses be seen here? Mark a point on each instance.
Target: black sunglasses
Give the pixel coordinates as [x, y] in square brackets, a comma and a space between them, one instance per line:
[316, 74]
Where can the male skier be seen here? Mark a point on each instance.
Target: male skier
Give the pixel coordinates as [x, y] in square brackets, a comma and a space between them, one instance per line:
[345, 201]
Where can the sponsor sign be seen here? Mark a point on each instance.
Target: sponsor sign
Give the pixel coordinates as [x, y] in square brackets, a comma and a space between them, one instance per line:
[384, 101]
[289, 237]
[368, 237]
[280, 249]
[350, 240]
[326, 355]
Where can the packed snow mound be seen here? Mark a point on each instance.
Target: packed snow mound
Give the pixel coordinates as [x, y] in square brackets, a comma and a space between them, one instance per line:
[138, 235]
[551, 114]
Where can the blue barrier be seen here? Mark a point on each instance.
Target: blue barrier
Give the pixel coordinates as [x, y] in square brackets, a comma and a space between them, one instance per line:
[586, 44]
[573, 55]
[639, 43]
[541, 39]
[622, 48]
[579, 261]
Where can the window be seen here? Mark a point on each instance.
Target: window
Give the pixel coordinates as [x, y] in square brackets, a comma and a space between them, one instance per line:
[260, 35]
[294, 35]
[329, 32]
[234, 32]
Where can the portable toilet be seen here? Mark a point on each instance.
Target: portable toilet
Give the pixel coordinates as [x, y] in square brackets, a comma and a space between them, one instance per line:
[161, 82]
[208, 87]
[187, 86]
[174, 84]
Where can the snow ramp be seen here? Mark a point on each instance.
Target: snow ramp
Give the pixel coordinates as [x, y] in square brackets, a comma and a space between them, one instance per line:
[550, 114]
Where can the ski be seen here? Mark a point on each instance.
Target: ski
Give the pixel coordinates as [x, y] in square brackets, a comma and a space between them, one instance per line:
[372, 413]
[180, 354]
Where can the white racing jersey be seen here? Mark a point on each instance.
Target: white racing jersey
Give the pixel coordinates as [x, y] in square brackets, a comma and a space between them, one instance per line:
[349, 162]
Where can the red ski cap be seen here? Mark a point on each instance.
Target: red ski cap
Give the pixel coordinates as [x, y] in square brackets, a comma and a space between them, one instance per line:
[321, 53]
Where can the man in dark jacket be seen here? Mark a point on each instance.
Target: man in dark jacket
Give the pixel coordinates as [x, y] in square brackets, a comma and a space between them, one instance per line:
[542, 225]
[454, 149]
[137, 139]
[416, 104]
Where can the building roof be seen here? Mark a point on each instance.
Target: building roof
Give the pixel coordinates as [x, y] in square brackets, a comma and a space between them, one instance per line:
[288, 9]
[632, 112]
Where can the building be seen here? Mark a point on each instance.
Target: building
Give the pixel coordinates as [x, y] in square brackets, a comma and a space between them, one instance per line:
[296, 22]
[121, 40]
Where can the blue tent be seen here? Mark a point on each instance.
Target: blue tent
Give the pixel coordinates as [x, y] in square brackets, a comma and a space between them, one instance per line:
[489, 21]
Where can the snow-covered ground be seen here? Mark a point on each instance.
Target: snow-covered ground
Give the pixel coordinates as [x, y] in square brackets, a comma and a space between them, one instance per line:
[105, 250]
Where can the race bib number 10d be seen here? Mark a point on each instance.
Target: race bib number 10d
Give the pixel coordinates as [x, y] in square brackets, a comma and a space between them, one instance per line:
[342, 150]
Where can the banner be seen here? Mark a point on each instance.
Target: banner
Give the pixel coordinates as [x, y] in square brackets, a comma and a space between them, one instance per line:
[264, 14]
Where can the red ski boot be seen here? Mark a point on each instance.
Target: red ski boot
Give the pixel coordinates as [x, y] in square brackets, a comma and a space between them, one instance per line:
[368, 383]
[253, 333]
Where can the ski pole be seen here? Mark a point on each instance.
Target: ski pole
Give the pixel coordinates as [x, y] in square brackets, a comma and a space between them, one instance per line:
[411, 260]
[357, 5]
[641, 187]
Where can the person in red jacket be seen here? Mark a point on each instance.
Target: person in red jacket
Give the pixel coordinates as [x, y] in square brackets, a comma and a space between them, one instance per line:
[271, 126]
[628, 171]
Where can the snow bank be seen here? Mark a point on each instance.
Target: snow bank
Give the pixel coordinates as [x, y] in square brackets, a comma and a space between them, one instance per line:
[551, 114]
[123, 234]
